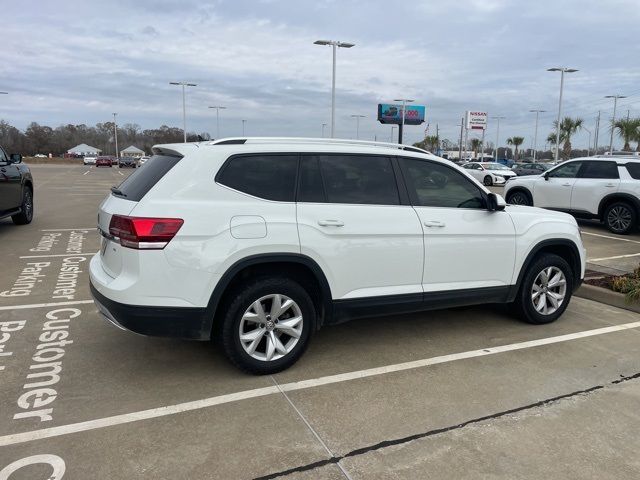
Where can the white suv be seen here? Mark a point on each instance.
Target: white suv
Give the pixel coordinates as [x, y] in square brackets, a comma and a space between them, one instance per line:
[602, 187]
[258, 242]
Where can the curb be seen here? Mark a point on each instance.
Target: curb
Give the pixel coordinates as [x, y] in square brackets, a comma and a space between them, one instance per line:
[606, 296]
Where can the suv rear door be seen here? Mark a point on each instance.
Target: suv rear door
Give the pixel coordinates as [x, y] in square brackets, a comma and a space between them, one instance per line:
[596, 180]
[10, 183]
[352, 222]
[466, 246]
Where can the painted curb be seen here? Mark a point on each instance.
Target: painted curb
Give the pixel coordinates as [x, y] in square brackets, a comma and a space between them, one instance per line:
[608, 297]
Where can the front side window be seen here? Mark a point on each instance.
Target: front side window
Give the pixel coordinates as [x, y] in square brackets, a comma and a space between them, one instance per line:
[601, 169]
[567, 170]
[433, 185]
[355, 179]
[271, 177]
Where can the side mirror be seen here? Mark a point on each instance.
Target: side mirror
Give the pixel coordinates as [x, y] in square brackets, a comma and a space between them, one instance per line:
[546, 176]
[495, 202]
[15, 158]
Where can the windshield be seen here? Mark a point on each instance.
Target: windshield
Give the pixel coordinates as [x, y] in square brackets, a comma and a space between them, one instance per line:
[495, 166]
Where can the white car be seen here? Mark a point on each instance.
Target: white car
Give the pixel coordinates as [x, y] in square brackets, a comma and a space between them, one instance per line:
[604, 187]
[89, 160]
[40, 155]
[490, 173]
[258, 242]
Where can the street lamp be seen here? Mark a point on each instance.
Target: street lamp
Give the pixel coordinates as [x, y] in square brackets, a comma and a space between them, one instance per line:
[323, 125]
[562, 71]
[357, 117]
[218, 120]
[392, 128]
[184, 110]
[497, 135]
[115, 133]
[404, 106]
[613, 121]
[535, 136]
[335, 44]
[588, 144]
[243, 123]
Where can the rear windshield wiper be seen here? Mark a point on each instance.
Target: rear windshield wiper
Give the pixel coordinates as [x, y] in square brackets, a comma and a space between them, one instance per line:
[118, 192]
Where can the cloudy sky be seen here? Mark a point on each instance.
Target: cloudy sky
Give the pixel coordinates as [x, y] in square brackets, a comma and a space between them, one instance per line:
[77, 61]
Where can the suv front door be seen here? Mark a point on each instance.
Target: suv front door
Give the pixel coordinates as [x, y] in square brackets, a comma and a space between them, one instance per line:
[10, 184]
[466, 245]
[554, 190]
[352, 223]
[596, 180]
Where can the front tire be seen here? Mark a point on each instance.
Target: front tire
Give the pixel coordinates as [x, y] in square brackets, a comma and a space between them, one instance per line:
[519, 198]
[26, 214]
[546, 290]
[620, 218]
[488, 181]
[267, 325]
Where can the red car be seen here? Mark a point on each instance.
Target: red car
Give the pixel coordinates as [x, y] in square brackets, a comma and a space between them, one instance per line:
[103, 162]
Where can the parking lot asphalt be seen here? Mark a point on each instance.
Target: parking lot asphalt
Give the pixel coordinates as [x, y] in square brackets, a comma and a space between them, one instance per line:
[459, 393]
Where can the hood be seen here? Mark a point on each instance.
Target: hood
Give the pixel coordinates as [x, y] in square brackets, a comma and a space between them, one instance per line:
[535, 212]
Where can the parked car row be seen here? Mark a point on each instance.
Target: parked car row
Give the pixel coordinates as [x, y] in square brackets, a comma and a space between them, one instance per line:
[109, 161]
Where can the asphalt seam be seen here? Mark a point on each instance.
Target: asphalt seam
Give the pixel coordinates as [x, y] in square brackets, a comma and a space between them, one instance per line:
[403, 440]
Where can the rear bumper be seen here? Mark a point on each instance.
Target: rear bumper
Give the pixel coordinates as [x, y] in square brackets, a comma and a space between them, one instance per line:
[176, 322]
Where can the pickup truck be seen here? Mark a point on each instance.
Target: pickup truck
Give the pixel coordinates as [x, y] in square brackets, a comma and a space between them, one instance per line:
[16, 189]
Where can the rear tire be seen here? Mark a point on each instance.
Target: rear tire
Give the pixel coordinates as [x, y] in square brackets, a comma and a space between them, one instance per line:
[519, 198]
[26, 214]
[249, 337]
[620, 218]
[546, 290]
[488, 181]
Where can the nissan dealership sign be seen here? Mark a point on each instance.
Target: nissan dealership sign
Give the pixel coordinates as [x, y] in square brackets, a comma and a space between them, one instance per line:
[476, 120]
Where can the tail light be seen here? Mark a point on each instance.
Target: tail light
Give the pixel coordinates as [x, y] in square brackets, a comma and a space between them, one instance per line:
[144, 233]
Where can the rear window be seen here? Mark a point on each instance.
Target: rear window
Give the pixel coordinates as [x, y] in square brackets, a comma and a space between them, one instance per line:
[143, 179]
[634, 170]
[599, 169]
[271, 177]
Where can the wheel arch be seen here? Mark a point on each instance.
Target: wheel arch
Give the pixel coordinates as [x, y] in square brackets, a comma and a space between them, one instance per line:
[522, 189]
[564, 248]
[296, 266]
[618, 197]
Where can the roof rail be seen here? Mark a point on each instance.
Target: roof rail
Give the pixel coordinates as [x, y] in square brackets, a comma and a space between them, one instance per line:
[312, 140]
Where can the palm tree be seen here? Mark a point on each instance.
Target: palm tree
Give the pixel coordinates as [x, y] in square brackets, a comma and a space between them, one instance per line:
[516, 142]
[627, 130]
[475, 146]
[568, 126]
[430, 142]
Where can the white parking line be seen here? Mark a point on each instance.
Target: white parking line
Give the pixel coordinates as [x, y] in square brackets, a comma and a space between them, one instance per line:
[86, 172]
[125, 418]
[609, 237]
[66, 229]
[60, 255]
[121, 173]
[613, 258]
[45, 305]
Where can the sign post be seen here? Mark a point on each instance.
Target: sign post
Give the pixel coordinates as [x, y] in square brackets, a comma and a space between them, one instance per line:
[392, 114]
[475, 120]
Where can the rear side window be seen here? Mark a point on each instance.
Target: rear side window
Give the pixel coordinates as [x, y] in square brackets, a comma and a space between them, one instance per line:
[634, 170]
[353, 179]
[599, 170]
[271, 177]
[143, 179]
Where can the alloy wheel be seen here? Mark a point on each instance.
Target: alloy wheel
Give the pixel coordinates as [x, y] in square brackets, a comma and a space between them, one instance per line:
[519, 198]
[548, 290]
[27, 205]
[271, 327]
[619, 218]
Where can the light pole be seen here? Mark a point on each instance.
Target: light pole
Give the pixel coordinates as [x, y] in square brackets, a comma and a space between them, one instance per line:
[562, 71]
[184, 108]
[4, 93]
[323, 126]
[613, 120]
[535, 135]
[404, 108]
[243, 123]
[497, 136]
[392, 128]
[357, 117]
[335, 44]
[115, 133]
[218, 108]
[588, 144]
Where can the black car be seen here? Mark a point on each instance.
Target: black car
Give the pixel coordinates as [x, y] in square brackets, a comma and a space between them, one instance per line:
[16, 189]
[529, 168]
[127, 162]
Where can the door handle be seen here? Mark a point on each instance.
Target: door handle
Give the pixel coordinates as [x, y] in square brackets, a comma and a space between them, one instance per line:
[330, 223]
[566, 184]
[433, 223]
[610, 185]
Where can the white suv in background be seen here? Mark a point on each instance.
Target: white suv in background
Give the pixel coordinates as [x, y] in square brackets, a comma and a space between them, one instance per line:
[258, 242]
[603, 187]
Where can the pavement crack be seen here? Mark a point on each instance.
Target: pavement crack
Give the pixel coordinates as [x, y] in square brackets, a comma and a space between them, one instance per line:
[402, 440]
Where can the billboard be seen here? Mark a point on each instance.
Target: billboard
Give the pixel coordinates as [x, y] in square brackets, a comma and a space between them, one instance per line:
[476, 120]
[388, 113]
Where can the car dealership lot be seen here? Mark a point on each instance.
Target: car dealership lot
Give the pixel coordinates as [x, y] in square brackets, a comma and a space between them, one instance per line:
[111, 404]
